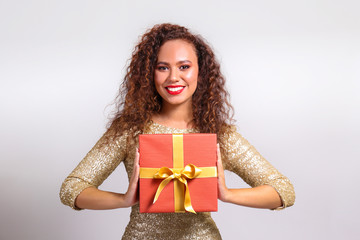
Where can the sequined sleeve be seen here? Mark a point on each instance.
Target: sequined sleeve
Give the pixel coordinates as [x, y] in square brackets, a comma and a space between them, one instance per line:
[96, 166]
[242, 158]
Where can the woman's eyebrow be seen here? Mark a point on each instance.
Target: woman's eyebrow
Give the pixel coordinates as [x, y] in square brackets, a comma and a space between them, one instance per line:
[183, 61]
[179, 62]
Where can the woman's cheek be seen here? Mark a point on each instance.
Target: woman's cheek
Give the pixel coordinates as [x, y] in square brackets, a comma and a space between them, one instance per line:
[192, 75]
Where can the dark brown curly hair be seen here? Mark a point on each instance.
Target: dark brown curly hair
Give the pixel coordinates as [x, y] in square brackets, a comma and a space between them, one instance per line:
[138, 99]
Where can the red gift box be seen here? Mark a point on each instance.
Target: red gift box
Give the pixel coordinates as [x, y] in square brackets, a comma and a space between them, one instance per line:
[178, 173]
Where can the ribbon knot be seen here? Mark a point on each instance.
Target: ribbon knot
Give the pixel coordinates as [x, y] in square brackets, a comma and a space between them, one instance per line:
[190, 171]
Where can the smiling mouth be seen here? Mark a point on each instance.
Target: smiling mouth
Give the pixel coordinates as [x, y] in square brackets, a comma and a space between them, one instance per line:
[174, 90]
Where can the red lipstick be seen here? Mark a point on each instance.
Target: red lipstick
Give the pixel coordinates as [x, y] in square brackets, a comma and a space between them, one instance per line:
[174, 89]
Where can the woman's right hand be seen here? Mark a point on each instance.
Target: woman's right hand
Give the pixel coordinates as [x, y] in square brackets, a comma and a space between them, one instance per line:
[131, 196]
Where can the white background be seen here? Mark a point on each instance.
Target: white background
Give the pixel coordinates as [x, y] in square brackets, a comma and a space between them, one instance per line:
[292, 69]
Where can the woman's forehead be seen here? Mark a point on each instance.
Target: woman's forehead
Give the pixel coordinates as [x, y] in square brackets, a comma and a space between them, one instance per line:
[178, 49]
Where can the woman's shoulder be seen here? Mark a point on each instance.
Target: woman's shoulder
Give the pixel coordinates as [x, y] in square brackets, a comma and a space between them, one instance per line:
[229, 131]
[113, 139]
[232, 137]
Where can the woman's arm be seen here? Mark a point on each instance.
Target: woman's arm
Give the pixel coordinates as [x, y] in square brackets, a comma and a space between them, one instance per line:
[93, 198]
[270, 189]
[94, 168]
[263, 196]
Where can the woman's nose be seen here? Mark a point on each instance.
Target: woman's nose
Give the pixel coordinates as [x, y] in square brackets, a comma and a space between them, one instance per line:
[174, 75]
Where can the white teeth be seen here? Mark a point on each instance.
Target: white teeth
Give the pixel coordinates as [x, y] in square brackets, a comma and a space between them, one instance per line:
[174, 89]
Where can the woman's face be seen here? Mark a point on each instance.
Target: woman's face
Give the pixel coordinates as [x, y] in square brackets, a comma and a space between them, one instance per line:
[176, 72]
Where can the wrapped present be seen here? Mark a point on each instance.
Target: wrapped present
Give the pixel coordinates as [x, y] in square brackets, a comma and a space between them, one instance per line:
[178, 173]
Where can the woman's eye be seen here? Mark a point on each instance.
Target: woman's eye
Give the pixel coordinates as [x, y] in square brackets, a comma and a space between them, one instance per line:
[183, 67]
[161, 68]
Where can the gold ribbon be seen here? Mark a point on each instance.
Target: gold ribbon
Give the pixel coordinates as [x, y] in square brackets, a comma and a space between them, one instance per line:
[180, 174]
[190, 171]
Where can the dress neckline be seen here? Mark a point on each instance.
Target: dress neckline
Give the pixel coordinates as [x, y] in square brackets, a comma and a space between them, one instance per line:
[172, 128]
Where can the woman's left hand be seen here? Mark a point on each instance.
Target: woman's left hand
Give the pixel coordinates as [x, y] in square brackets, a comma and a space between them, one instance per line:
[223, 191]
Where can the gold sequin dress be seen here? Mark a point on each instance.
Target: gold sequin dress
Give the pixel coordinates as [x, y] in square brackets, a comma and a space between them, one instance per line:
[238, 156]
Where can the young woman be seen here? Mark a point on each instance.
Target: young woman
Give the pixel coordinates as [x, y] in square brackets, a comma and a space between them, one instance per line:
[173, 85]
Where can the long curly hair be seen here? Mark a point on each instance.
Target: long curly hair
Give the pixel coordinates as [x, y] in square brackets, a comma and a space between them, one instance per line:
[138, 98]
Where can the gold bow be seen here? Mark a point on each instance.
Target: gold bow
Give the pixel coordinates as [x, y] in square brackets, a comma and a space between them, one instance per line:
[190, 171]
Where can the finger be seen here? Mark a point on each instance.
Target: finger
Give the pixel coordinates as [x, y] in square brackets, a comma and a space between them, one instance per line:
[218, 153]
[136, 168]
[221, 175]
[137, 157]
[136, 174]
[219, 162]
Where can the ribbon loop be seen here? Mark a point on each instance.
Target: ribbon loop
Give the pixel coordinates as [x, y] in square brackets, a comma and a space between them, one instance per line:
[163, 172]
[190, 171]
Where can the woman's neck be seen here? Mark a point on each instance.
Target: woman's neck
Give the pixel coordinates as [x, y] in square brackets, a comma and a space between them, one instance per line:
[176, 116]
